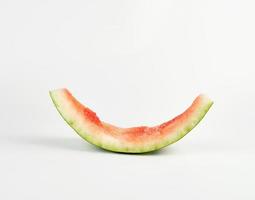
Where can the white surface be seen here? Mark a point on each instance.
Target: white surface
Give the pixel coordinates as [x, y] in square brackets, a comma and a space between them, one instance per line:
[134, 62]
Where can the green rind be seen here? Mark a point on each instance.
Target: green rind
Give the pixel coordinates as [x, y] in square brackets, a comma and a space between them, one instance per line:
[134, 149]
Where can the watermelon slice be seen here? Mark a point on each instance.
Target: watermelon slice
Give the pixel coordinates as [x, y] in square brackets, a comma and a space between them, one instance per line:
[128, 140]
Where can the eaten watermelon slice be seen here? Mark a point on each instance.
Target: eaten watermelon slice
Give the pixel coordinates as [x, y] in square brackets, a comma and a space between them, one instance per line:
[128, 140]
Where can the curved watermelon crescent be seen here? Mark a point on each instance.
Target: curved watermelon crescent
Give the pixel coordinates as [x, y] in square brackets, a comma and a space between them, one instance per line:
[128, 140]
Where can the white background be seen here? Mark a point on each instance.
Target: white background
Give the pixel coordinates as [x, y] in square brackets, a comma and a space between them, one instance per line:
[134, 63]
